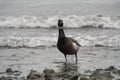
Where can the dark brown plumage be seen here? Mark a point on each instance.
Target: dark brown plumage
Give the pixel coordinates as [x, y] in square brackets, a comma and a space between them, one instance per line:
[66, 45]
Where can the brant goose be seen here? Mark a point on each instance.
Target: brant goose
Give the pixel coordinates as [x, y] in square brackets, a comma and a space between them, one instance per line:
[66, 45]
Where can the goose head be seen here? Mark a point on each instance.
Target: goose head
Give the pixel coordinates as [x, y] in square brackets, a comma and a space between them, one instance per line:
[60, 23]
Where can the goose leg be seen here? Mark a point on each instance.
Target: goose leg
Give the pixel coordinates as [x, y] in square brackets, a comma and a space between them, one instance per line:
[76, 58]
[65, 58]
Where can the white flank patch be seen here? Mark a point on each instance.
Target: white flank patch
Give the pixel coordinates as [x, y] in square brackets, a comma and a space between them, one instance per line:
[75, 46]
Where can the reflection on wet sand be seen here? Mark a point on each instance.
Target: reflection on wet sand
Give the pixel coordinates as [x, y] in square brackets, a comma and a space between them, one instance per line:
[68, 70]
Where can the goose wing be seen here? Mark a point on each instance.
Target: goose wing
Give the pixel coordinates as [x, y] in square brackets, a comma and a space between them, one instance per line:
[73, 40]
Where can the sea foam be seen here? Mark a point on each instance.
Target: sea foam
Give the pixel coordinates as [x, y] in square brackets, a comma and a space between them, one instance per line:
[47, 41]
[70, 21]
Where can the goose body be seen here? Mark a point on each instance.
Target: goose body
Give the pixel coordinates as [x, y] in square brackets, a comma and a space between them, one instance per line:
[66, 45]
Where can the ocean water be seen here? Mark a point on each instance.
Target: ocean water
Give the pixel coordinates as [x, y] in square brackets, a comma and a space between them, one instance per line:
[32, 31]
[29, 33]
[27, 48]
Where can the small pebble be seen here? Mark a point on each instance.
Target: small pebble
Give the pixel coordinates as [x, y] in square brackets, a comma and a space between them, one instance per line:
[84, 78]
[74, 77]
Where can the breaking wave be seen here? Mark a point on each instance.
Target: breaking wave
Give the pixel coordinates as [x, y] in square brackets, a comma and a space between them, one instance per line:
[45, 41]
[70, 21]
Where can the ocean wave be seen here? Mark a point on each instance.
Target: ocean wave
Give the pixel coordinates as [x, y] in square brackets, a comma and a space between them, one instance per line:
[70, 21]
[45, 41]
[28, 42]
